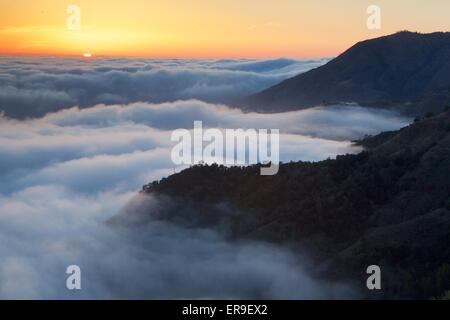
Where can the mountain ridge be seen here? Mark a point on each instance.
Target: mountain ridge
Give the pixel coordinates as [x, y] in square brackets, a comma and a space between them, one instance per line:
[406, 70]
[388, 205]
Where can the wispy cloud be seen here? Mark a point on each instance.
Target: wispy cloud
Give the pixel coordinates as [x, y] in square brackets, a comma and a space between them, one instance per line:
[40, 29]
[32, 29]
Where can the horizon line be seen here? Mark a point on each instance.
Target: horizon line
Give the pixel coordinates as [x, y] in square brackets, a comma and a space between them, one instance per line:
[95, 56]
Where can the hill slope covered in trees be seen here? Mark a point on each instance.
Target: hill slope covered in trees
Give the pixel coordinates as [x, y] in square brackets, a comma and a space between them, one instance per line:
[389, 205]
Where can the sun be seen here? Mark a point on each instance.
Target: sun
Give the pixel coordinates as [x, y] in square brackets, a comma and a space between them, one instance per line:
[87, 55]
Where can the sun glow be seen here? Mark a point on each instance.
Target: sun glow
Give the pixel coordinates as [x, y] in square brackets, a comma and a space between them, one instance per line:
[199, 28]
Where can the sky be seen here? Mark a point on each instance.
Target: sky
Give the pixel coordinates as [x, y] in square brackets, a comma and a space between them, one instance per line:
[207, 28]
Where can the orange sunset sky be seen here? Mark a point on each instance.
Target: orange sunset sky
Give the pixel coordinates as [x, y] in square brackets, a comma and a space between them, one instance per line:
[208, 28]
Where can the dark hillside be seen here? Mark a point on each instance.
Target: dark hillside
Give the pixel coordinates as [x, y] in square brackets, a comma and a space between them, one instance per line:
[407, 70]
[389, 205]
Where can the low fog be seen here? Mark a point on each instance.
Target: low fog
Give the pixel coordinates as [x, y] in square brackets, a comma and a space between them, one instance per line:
[66, 174]
[33, 86]
[44, 229]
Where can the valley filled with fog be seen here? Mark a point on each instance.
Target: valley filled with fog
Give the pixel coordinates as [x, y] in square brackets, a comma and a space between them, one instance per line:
[78, 140]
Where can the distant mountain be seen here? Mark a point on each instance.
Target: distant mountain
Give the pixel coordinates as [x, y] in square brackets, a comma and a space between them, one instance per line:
[389, 206]
[407, 70]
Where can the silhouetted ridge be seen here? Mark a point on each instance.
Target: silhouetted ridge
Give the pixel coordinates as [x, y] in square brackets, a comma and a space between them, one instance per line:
[407, 70]
[389, 205]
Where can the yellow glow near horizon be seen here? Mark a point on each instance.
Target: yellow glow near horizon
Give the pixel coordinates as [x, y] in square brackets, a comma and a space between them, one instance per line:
[207, 28]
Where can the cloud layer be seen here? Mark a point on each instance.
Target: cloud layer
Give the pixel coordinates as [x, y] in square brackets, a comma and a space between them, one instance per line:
[65, 174]
[33, 86]
[45, 229]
